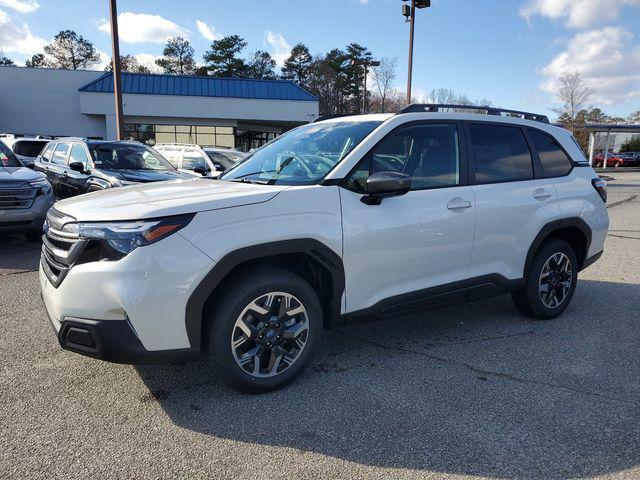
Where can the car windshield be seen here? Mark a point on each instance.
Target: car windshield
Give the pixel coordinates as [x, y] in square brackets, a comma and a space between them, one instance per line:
[128, 156]
[302, 156]
[7, 158]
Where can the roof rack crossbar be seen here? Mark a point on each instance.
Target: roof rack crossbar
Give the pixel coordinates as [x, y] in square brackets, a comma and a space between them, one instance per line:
[435, 107]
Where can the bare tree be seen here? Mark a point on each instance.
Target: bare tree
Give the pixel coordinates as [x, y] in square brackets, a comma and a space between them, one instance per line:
[573, 95]
[383, 77]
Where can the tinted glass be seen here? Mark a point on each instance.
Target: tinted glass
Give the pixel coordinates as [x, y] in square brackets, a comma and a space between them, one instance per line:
[191, 160]
[128, 156]
[60, 153]
[7, 158]
[28, 148]
[427, 153]
[79, 154]
[302, 156]
[555, 162]
[501, 154]
[224, 159]
[48, 151]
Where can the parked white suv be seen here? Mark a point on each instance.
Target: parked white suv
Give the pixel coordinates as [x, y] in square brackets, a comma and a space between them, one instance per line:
[204, 162]
[340, 221]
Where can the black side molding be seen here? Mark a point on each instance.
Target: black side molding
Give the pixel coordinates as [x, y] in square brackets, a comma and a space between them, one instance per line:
[556, 225]
[307, 246]
[435, 297]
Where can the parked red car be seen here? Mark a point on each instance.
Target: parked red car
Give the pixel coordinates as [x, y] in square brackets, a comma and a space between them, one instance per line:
[613, 160]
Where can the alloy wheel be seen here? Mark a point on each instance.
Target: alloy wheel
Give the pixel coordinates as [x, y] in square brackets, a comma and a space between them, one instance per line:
[270, 334]
[555, 280]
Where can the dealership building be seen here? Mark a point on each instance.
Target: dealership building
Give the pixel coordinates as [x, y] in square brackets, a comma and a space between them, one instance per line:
[224, 112]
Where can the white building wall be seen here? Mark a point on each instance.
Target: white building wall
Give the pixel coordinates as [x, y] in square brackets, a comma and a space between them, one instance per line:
[35, 101]
[44, 101]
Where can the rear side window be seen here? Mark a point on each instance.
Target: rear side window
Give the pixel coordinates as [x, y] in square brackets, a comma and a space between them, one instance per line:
[555, 162]
[28, 148]
[48, 151]
[172, 155]
[191, 160]
[501, 154]
[60, 153]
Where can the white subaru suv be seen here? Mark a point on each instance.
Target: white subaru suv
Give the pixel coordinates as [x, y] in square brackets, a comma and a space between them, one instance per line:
[340, 221]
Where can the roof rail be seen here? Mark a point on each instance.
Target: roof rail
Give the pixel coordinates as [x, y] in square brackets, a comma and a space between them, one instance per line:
[435, 107]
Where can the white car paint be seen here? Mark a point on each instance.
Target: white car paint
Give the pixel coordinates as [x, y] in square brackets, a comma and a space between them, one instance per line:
[407, 243]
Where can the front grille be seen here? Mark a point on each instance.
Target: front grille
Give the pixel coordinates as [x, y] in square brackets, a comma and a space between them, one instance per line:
[60, 250]
[14, 195]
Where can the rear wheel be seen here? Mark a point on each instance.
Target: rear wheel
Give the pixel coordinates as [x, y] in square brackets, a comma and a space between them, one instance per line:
[550, 282]
[264, 329]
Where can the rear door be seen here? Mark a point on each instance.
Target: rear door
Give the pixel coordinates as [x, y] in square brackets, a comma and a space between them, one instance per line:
[513, 199]
[43, 161]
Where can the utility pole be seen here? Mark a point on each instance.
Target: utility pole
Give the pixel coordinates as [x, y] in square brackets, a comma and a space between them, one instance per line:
[409, 12]
[117, 86]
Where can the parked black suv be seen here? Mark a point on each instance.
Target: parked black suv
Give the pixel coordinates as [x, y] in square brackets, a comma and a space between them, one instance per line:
[76, 165]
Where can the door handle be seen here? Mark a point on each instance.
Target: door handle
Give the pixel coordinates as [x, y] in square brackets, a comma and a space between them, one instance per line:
[458, 204]
[541, 194]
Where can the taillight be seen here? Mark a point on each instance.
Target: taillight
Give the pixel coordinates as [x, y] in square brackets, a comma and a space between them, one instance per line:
[601, 187]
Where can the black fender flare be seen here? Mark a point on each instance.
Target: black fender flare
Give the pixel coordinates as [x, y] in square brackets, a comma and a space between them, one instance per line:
[550, 227]
[308, 246]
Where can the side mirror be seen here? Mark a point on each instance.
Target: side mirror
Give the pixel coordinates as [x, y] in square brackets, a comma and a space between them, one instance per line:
[385, 184]
[201, 170]
[77, 167]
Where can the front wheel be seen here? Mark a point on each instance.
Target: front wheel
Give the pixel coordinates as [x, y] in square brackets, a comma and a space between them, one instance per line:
[264, 329]
[550, 283]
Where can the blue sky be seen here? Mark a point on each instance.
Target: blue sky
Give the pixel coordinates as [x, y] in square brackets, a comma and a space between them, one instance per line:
[507, 51]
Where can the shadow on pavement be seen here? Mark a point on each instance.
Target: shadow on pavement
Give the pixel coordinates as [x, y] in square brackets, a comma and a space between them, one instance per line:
[475, 390]
[18, 255]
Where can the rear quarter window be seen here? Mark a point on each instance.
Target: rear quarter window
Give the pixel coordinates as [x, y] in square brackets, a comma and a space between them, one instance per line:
[28, 148]
[555, 163]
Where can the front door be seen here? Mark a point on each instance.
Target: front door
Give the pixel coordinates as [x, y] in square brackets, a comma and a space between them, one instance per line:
[423, 239]
[72, 181]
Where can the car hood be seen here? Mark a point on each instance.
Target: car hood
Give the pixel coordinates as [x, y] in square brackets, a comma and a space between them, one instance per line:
[142, 176]
[19, 174]
[162, 199]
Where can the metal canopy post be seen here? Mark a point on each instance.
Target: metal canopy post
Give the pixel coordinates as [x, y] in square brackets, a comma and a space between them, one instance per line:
[592, 141]
[606, 149]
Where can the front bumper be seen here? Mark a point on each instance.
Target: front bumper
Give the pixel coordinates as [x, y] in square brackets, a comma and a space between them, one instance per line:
[21, 220]
[113, 341]
[133, 309]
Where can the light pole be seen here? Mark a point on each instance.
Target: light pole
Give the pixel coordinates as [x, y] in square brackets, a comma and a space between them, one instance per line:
[409, 12]
[366, 64]
[117, 85]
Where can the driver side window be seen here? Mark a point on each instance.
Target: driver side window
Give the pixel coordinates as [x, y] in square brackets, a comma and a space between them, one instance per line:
[428, 153]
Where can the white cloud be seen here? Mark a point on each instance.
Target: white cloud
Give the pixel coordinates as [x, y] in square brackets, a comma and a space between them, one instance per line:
[207, 31]
[16, 38]
[280, 48]
[105, 59]
[21, 6]
[577, 13]
[149, 60]
[608, 61]
[142, 27]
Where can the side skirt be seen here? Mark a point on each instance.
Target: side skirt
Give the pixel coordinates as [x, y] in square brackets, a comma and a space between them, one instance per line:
[435, 297]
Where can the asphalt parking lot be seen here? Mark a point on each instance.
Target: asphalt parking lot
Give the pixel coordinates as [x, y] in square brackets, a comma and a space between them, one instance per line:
[471, 391]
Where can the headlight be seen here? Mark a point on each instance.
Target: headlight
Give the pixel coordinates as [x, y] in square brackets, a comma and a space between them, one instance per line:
[43, 186]
[114, 240]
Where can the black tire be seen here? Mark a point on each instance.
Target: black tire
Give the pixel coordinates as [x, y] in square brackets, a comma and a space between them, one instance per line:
[529, 299]
[33, 236]
[236, 295]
